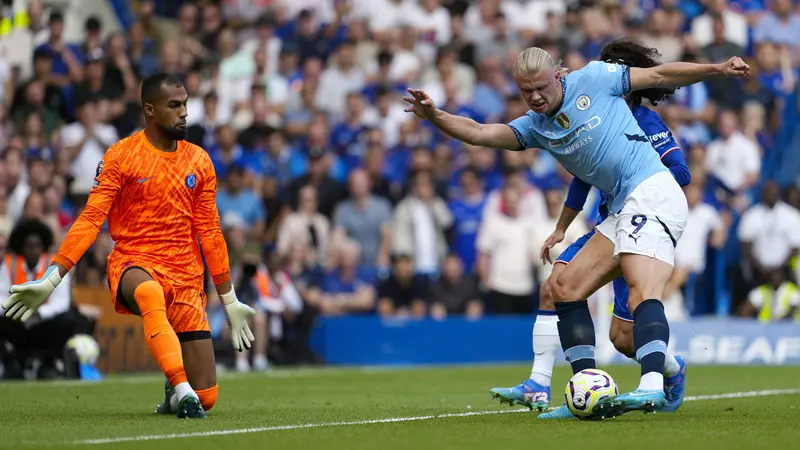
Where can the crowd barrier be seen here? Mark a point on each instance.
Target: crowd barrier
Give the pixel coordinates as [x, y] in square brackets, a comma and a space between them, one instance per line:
[374, 341]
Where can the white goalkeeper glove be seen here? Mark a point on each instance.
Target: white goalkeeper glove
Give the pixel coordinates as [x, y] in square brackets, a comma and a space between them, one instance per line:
[238, 313]
[26, 298]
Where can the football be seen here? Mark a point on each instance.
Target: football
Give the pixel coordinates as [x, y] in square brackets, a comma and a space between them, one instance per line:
[586, 388]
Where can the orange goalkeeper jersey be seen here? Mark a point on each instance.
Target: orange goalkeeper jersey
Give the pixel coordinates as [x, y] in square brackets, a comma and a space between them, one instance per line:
[158, 205]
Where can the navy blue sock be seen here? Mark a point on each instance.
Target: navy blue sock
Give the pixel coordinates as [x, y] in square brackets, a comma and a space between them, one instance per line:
[576, 330]
[650, 335]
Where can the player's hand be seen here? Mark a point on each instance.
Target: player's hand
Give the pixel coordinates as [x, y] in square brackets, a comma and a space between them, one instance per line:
[26, 298]
[735, 67]
[551, 242]
[238, 313]
[421, 104]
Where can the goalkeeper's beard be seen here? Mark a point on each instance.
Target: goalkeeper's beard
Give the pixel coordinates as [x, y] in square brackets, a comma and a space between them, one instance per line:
[174, 133]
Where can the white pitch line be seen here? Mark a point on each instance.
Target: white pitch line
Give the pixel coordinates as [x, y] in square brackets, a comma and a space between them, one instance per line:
[156, 437]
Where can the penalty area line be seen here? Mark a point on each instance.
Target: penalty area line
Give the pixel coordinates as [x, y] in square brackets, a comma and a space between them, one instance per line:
[158, 437]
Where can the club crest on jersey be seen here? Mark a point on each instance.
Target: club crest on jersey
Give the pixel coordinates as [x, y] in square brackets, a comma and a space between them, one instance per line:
[583, 102]
[191, 181]
[563, 121]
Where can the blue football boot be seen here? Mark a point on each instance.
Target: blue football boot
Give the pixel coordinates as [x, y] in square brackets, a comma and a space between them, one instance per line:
[529, 394]
[638, 400]
[675, 387]
[562, 412]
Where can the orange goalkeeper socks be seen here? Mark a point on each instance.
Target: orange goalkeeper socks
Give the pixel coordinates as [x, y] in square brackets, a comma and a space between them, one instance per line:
[208, 397]
[158, 333]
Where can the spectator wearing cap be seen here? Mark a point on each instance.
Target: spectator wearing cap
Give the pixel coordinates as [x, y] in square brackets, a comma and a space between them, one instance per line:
[419, 224]
[86, 141]
[234, 197]
[366, 219]
[329, 191]
[67, 62]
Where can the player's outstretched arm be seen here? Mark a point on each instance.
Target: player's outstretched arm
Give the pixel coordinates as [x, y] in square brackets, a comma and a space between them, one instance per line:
[679, 74]
[464, 129]
[206, 224]
[26, 298]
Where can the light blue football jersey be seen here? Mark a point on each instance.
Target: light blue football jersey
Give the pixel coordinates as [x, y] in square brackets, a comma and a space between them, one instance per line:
[594, 135]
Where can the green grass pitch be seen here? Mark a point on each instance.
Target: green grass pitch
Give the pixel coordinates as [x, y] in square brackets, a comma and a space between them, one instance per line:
[427, 408]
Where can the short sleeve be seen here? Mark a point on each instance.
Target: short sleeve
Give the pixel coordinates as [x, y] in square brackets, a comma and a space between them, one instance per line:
[523, 130]
[616, 76]
[484, 241]
[748, 228]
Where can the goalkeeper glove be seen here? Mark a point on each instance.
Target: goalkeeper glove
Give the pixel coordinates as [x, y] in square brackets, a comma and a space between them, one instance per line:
[26, 298]
[238, 313]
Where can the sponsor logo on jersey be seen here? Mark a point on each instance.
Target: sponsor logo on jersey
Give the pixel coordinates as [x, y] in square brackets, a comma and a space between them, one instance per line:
[583, 102]
[578, 138]
[563, 121]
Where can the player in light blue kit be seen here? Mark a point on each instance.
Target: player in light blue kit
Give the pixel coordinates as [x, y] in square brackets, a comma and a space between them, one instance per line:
[583, 120]
[535, 391]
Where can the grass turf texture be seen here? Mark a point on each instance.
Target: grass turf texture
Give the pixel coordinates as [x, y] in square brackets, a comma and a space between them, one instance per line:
[67, 414]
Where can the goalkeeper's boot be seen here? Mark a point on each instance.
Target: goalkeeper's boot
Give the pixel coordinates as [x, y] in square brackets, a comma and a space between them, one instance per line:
[674, 388]
[190, 408]
[529, 394]
[562, 412]
[638, 400]
[169, 391]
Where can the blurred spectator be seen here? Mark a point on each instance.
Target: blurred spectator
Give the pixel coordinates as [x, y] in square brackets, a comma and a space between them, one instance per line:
[467, 209]
[660, 38]
[366, 219]
[735, 24]
[780, 25]
[403, 294]
[306, 227]
[86, 141]
[777, 299]
[506, 254]
[455, 294]
[67, 62]
[768, 235]
[45, 335]
[532, 202]
[419, 224]
[337, 82]
[555, 203]
[234, 197]
[344, 291]
[329, 192]
[733, 159]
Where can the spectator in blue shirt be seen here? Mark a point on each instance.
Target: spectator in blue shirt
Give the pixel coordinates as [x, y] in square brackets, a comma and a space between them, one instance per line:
[343, 290]
[236, 198]
[467, 209]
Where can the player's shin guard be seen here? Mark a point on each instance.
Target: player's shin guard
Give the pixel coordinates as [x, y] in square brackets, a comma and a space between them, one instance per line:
[545, 347]
[208, 397]
[158, 333]
[651, 336]
[576, 330]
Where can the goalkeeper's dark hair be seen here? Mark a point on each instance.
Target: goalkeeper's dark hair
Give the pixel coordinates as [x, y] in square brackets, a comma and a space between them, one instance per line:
[151, 86]
[632, 54]
[28, 227]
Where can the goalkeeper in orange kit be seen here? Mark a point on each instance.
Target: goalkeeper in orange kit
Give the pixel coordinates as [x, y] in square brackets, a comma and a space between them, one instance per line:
[159, 194]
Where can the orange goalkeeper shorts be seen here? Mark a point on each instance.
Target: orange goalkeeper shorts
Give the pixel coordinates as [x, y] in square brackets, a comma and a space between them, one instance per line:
[185, 305]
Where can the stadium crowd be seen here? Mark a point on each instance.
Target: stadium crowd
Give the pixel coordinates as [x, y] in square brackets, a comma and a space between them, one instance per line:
[334, 201]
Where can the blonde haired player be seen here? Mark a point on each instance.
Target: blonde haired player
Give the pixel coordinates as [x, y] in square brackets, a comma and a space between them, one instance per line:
[159, 195]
